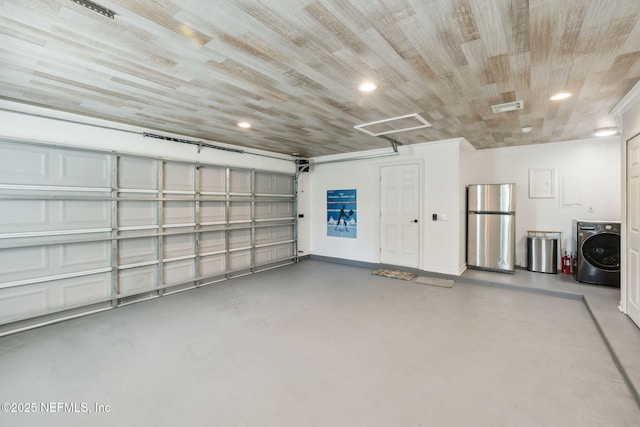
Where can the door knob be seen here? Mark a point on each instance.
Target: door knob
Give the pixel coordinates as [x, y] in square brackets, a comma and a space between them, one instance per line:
[415, 220]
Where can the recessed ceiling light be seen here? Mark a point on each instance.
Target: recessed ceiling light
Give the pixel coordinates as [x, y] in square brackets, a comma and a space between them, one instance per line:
[244, 125]
[560, 96]
[605, 132]
[368, 87]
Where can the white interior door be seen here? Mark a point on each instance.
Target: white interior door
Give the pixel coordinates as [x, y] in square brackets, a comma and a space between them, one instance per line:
[633, 230]
[399, 215]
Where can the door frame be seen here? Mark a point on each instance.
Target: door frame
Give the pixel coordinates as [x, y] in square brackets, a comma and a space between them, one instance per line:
[421, 204]
[624, 266]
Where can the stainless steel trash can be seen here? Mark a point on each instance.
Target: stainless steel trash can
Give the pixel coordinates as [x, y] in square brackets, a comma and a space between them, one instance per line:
[542, 254]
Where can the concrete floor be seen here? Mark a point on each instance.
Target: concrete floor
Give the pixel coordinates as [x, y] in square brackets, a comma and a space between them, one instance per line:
[322, 344]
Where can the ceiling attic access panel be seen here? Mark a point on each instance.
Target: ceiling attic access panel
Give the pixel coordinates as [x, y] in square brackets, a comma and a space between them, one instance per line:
[394, 125]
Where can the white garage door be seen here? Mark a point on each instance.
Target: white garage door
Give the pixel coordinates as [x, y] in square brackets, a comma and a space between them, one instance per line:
[82, 231]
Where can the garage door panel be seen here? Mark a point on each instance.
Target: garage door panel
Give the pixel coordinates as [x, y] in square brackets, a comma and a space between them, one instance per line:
[26, 301]
[239, 239]
[181, 245]
[212, 179]
[22, 302]
[137, 213]
[239, 181]
[24, 216]
[212, 212]
[212, 241]
[86, 290]
[273, 253]
[239, 260]
[44, 262]
[87, 169]
[274, 234]
[267, 210]
[273, 183]
[179, 213]
[138, 279]
[133, 251]
[179, 177]
[24, 165]
[239, 211]
[23, 263]
[85, 214]
[138, 173]
[212, 265]
[179, 271]
[84, 256]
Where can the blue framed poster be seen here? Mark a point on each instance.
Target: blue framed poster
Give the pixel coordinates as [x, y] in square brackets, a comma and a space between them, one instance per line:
[342, 213]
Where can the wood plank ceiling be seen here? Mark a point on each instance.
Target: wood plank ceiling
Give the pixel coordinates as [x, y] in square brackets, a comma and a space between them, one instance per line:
[292, 67]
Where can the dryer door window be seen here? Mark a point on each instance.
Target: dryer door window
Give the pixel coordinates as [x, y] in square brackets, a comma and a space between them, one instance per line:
[603, 251]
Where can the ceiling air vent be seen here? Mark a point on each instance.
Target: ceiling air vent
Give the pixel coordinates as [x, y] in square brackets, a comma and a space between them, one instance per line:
[96, 8]
[508, 106]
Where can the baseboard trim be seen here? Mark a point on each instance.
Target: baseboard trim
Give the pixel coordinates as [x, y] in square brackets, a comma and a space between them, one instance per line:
[458, 278]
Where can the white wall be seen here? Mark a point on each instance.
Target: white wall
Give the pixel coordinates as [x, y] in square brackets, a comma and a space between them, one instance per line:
[595, 163]
[440, 240]
[449, 166]
[60, 129]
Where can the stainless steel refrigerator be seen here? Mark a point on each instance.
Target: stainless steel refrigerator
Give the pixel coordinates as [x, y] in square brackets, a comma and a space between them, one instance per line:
[491, 222]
